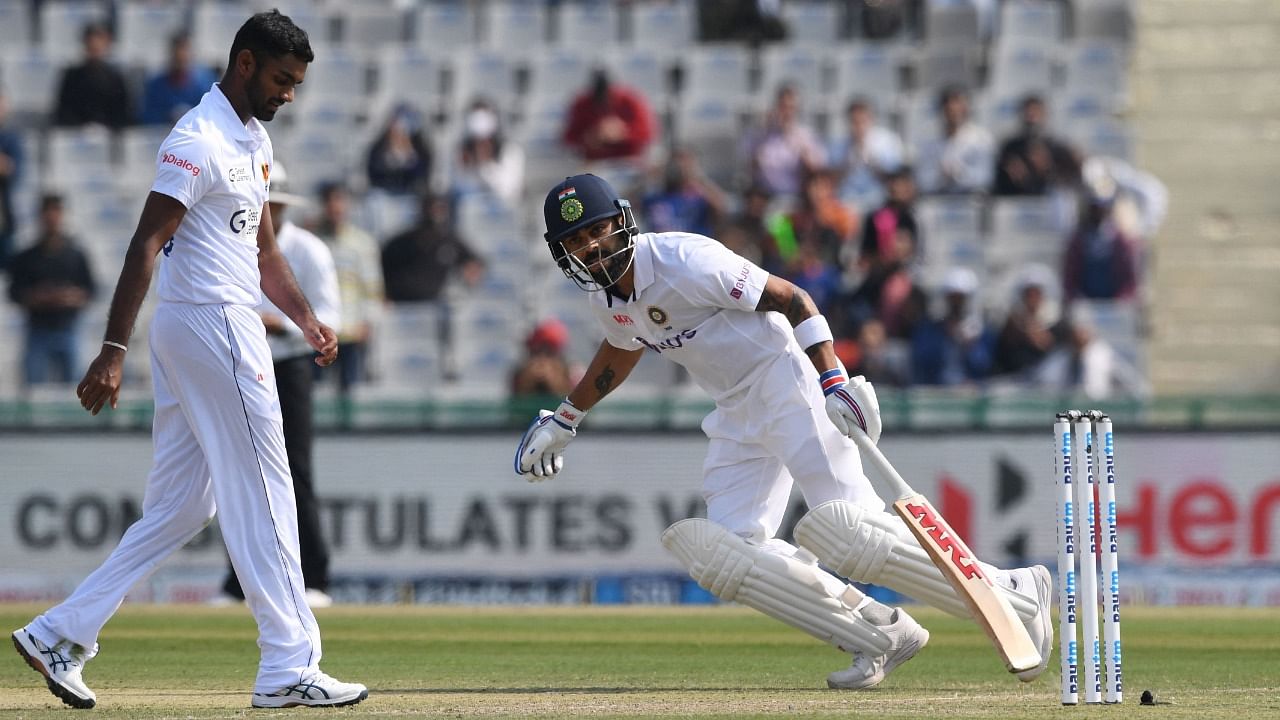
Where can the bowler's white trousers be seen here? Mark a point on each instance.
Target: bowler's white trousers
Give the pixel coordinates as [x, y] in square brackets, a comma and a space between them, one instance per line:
[770, 436]
[218, 445]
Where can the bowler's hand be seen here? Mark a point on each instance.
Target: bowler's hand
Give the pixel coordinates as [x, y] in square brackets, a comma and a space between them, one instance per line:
[324, 340]
[101, 383]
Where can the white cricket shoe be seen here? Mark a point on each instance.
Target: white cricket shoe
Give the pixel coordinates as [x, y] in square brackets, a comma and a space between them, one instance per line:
[319, 690]
[907, 638]
[317, 598]
[1040, 625]
[60, 665]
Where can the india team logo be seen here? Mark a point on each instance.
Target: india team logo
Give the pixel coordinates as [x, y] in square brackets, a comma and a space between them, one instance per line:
[657, 315]
[570, 206]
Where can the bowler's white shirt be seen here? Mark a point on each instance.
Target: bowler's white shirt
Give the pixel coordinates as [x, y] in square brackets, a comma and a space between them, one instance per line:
[312, 265]
[219, 168]
[694, 303]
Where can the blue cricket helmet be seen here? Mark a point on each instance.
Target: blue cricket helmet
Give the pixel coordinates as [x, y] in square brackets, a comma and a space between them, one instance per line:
[577, 203]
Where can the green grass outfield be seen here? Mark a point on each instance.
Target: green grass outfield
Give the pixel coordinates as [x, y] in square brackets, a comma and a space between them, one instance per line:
[721, 662]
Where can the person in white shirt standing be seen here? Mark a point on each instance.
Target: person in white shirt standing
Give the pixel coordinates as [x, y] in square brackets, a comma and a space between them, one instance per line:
[780, 417]
[217, 427]
[312, 265]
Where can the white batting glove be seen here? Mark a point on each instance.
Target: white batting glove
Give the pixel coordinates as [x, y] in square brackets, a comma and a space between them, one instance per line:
[851, 404]
[541, 450]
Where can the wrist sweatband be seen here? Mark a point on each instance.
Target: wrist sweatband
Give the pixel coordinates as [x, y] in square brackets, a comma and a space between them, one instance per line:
[832, 380]
[119, 346]
[812, 331]
[568, 416]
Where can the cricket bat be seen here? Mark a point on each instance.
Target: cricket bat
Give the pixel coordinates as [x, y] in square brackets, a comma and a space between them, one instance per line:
[958, 565]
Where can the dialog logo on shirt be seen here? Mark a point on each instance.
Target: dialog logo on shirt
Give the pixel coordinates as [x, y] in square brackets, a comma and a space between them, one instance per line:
[171, 159]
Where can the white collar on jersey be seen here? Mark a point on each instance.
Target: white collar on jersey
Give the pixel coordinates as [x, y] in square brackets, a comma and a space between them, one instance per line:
[251, 133]
[642, 276]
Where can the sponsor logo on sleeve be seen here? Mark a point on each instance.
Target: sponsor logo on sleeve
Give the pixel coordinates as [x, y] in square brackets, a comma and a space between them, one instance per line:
[185, 164]
[740, 282]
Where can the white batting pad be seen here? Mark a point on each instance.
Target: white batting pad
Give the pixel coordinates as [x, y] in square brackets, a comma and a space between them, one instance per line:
[876, 547]
[784, 587]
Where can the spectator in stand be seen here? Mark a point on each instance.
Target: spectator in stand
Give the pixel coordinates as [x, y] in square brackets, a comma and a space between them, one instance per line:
[1101, 261]
[488, 161]
[887, 255]
[609, 121]
[746, 232]
[1141, 200]
[865, 156]
[687, 201]
[356, 259]
[809, 271]
[170, 93]
[781, 151]
[820, 219]
[880, 357]
[1033, 162]
[957, 348]
[545, 372]
[418, 263]
[52, 282]
[962, 158]
[1027, 335]
[12, 160]
[400, 158]
[749, 21]
[95, 91]
[1084, 364]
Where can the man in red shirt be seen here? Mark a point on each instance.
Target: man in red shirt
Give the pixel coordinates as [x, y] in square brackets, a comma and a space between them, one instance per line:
[609, 121]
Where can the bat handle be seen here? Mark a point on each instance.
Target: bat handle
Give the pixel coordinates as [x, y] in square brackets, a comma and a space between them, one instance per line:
[897, 487]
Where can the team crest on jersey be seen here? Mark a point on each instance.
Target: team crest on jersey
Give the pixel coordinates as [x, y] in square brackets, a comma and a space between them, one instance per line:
[657, 315]
[266, 172]
[571, 209]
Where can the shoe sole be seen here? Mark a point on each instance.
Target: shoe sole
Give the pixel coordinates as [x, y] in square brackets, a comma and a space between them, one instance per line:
[318, 703]
[58, 689]
[1046, 622]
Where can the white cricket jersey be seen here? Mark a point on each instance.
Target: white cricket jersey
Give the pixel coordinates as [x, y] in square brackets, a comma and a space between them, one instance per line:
[694, 303]
[220, 169]
[312, 265]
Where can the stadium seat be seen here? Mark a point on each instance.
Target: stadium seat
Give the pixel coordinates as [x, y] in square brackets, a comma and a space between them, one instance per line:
[811, 23]
[587, 25]
[1095, 67]
[443, 25]
[409, 74]
[1034, 21]
[405, 357]
[869, 70]
[215, 25]
[644, 69]
[803, 67]
[80, 158]
[714, 126]
[62, 26]
[337, 75]
[481, 72]
[999, 114]
[1025, 230]
[1103, 19]
[1110, 137]
[938, 66]
[557, 74]
[30, 84]
[365, 28]
[950, 235]
[663, 26]
[15, 25]
[716, 71]
[514, 27]
[951, 23]
[143, 31]
[139, 147]
[1019, 68]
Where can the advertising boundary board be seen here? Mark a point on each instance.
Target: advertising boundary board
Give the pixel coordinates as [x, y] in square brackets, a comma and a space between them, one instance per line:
[442, 518]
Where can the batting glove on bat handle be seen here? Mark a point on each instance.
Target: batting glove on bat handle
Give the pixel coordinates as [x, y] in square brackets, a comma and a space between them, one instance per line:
[851, 404]
[541, 451]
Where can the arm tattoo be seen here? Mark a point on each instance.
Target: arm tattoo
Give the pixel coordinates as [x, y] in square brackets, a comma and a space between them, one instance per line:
[795, 308]
[604, 381]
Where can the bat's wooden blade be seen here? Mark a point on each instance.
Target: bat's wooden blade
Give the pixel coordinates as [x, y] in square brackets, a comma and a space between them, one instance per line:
[990, 608]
